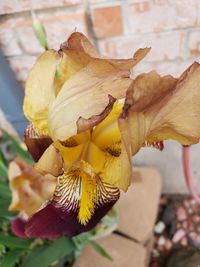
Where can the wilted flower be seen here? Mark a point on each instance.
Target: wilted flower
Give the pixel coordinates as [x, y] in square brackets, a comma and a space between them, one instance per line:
[84, 135]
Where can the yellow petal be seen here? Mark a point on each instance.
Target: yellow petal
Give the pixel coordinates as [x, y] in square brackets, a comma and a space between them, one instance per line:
[39, 89]
[50, 162]
[81, 191]
[163, 108]
[71, 62]
[117, 167]
[107, 132]
[85, 94]
[70, 155]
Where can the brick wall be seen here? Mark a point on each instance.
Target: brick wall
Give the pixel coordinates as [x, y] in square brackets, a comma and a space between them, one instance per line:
[118, 28]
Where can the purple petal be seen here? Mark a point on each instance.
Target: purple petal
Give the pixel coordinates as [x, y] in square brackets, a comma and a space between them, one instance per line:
[18, 227]
[37, 146]
[53, 221]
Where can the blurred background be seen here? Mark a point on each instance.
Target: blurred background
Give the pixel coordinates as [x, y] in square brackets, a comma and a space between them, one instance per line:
[117, 28]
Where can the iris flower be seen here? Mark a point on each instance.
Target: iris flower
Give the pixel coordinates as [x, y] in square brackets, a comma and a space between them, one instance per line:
[88, 118]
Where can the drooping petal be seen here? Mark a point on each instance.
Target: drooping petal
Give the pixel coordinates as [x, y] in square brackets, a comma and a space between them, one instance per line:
[39, 91]
[85, 94]
[162, 108]
[29, 189]
[79, 202]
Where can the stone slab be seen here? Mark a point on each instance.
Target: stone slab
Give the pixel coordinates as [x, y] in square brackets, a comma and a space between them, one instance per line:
[139, 206]
[124, 252]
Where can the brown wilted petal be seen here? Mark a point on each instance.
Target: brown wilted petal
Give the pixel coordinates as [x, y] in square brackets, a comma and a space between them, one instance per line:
[86, 124]
[159, 108]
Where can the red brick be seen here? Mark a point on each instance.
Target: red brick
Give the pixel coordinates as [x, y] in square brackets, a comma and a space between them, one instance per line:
[107, 21]
[14, 6]
[58, 26]
[8, 42]
[21, 65]
[165, 46]
[159, 15]
[194, 43]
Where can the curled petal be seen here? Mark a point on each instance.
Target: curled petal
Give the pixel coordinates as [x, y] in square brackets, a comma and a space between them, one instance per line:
[159, 108]
[85, 94]
[79, 202]
[86, 124]
[79, 42]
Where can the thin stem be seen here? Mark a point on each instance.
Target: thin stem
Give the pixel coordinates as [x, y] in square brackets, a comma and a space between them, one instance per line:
[188, 173]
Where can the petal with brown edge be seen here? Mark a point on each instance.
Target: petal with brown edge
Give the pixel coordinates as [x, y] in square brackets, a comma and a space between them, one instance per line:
[154, 113]
[79, 42]
[86, 124]
[85, 94]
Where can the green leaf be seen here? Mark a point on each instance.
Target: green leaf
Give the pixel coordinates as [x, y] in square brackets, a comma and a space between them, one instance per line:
[44, 255]
[16, 148]
[5, 191]
[11, 258]
[3, 165]
[100, 250]
[14, 242]
[39, 31]
[3, 159]
[3, 169]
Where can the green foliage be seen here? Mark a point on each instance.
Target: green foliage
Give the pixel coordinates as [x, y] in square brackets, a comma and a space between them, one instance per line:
[11, 258]
[15, 148]
[13, 242]
[100, 250]
[46, 254]
[3, 165]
